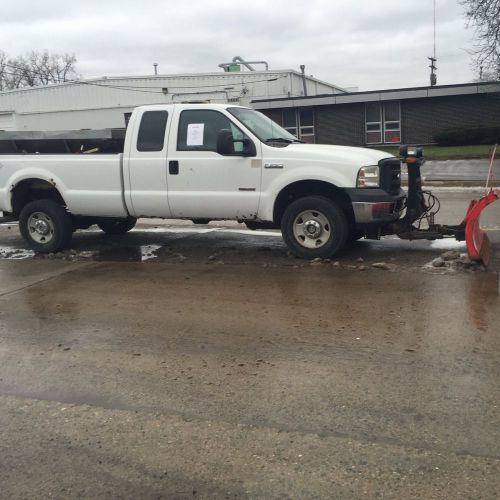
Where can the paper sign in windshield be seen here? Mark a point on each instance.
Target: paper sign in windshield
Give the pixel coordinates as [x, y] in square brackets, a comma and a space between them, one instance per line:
[195, 134]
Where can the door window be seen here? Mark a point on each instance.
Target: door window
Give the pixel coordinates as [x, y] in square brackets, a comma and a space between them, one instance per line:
[199, 129]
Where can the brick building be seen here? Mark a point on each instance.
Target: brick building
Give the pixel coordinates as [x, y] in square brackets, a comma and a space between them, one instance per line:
[412, 115]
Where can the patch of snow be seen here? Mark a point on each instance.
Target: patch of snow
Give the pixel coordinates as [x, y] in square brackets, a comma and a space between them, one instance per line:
[148, 252]
[171, 230]
[448, 244]
[203, 231]
[12, 253]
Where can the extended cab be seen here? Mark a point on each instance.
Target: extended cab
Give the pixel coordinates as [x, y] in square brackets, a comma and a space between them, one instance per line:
[206, 162]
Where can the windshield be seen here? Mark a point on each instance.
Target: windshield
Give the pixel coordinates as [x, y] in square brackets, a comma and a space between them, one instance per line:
[262, 126]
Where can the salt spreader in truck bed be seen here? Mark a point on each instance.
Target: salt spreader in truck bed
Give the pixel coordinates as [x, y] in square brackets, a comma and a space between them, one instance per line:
[211, 162]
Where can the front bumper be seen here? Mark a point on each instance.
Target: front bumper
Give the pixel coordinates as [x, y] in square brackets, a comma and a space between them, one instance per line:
[376, 206]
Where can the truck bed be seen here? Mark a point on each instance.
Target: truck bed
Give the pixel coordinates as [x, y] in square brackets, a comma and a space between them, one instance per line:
[99, 141]
[90, 184]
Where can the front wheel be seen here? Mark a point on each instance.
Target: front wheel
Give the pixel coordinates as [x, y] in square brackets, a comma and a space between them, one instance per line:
[46, 226]
[117, 226]
[314, 226]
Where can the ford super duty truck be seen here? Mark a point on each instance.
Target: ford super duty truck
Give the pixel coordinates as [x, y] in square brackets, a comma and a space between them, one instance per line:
[206, 162]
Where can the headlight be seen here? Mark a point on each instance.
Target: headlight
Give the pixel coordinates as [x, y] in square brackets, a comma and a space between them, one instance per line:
[368, 177]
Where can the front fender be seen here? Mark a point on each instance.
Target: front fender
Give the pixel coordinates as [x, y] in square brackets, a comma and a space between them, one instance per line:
[284, 179]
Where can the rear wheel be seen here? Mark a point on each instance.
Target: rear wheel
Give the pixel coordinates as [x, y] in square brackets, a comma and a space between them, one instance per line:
[117, 226]
[314, 226]
[46, 226]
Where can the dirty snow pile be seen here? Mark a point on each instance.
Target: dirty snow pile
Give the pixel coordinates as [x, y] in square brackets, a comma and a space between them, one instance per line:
[15, 253]
[455, 261]
[66, 255]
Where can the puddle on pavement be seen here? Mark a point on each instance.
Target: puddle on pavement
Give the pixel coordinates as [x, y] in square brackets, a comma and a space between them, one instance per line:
[120, 254]
[482, 297]
[128, 254]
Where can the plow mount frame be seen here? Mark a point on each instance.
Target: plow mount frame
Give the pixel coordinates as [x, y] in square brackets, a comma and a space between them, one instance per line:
[477, 242]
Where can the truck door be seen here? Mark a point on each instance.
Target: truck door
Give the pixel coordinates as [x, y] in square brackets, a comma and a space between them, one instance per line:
[146, 165]
[203, 183]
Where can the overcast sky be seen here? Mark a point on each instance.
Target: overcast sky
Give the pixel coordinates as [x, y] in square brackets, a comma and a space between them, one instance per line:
[365, 43]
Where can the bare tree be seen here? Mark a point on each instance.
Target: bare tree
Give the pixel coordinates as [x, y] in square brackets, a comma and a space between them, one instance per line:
[4, 73]
[484, 17]
[35, 68]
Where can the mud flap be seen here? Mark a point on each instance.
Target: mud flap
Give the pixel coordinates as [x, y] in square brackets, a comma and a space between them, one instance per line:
[478, 243]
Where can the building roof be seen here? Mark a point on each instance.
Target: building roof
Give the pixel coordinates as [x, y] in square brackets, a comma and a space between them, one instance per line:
[379, 95]
[104, 81]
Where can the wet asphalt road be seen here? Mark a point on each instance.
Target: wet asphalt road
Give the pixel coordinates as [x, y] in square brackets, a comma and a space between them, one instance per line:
[174, 364]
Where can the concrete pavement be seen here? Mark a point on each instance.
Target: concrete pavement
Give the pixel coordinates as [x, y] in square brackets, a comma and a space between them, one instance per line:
[182, 380]
[204, 362]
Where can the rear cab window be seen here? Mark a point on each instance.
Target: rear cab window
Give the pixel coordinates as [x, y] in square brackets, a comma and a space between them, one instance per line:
[151, 136]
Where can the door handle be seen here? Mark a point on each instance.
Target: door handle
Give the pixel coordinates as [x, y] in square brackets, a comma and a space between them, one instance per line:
[173, 167]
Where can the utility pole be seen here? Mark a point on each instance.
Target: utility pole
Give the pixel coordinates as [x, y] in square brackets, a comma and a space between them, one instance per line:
[433, 69]
[433, 58]
[156, 68]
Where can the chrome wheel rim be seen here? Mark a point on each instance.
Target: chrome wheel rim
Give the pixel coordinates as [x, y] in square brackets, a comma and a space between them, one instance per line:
[41, 227]
[312, 229]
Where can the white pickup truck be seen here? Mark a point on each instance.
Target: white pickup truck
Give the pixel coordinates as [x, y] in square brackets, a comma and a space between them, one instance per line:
[206, 162]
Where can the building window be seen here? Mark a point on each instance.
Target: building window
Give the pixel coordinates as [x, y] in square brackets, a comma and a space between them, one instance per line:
[306, 124]
[290, 120]
[382, 122]
[373, 120]
[300, 123]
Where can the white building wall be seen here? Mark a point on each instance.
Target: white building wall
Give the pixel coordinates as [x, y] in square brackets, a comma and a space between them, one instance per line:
[102, 103]
[7, 121]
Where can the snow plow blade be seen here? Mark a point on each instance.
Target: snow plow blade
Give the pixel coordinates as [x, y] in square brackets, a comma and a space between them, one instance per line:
[478, 243]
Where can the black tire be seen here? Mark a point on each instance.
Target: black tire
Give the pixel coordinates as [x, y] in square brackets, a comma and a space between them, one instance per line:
[46, 226]
[323, 237]
[117, 226]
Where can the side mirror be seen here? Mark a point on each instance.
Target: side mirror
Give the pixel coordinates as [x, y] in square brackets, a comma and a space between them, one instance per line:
[225, 145]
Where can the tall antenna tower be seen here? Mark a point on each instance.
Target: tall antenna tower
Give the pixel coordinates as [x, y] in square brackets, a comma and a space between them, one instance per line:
[433, 59]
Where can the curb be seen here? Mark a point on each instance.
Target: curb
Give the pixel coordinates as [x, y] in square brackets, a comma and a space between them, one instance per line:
[454, 183]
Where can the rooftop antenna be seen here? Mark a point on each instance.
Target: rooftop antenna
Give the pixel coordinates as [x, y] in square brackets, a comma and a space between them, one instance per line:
[303, 71]
[433, 58]
[155, 65]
